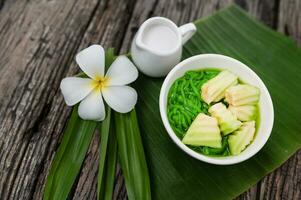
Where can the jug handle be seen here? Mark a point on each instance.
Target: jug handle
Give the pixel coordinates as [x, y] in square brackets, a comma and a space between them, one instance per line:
[187, 31]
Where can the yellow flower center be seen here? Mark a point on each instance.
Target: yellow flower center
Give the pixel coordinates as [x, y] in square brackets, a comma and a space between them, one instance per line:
[99, 83]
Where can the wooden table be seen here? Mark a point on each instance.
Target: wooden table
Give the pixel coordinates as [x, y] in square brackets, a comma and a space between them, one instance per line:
[39, 40]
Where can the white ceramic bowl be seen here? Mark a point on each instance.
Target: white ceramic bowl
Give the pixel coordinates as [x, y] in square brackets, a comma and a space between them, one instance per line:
[205, 61]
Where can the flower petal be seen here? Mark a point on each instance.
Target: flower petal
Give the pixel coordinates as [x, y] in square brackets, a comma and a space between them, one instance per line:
[121, 72]
[75, 89]
[92, 107]
[120, 98]
[92, 61]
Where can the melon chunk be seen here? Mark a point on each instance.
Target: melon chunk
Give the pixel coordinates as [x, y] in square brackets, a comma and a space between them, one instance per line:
[244, 113]
[242, 94]
[214, 89]
[203, 131]
[226, 120]
[241, 138]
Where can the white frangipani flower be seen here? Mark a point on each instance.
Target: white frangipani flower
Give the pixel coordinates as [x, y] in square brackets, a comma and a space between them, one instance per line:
[112, 86]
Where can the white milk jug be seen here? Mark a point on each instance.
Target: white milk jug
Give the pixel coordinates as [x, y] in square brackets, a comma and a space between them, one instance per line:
[157, 46]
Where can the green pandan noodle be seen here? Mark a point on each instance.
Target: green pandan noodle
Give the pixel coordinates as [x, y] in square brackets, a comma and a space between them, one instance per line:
[185, 103]
[184, 99]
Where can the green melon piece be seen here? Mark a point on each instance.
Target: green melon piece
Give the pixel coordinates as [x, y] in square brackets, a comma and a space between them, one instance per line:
[226, 120]
[203, 131]
[242, 94]
[241, 138]
[244, 113]
[214, 89]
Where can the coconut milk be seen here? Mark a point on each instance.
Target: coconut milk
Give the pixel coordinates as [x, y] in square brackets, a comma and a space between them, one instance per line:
[160, 38]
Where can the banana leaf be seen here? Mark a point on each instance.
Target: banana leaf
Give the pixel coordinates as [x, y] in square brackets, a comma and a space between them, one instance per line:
[277, 60]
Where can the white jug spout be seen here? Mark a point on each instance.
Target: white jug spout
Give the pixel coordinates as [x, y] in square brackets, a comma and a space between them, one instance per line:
[187, 31]
[139, 42]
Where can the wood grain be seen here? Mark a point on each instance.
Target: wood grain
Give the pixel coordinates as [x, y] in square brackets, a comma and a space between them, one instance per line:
[35, 48]
[39, 40]
[285, 182]
[289, 21]
[264, 10]
[34, 62]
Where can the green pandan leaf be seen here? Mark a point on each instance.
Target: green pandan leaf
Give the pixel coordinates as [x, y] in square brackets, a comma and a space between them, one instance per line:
[131, 156]
[108, 150]
[277, 60]
[108, 159]
[69, 157]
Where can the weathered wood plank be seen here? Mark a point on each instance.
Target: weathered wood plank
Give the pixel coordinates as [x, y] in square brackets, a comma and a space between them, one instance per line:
[38, 42]
[119, 190]
[33, 118]
[264, 10]
[289, 21]
[285, 182]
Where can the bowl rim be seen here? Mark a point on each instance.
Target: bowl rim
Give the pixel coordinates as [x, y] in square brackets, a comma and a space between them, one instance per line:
[226, 160]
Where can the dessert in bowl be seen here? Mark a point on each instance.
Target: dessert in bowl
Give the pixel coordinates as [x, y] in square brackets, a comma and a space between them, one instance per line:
[216, 109]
